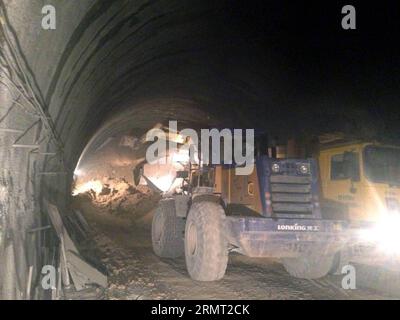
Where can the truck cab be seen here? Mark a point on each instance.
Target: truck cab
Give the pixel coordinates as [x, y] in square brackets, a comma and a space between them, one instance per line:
[363, 176]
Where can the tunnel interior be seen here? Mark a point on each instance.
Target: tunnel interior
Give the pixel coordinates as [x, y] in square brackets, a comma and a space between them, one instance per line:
[117, 68]
[108, 68]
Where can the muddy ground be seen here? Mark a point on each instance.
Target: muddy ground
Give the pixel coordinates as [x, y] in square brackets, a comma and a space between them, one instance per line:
[135, 272]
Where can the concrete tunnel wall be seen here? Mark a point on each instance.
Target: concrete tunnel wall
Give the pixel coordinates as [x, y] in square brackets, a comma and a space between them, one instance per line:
[104, 58]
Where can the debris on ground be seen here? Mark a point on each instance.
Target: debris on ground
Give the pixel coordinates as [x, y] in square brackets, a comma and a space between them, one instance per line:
[136, 273]
[118, 197]
[72, 266]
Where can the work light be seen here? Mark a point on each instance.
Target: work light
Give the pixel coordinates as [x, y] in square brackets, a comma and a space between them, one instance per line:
[275, 168]
[304, 169]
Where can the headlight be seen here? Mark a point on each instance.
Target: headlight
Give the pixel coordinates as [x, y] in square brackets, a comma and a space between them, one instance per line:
[385, 234]
[275, 168]
[304, 169]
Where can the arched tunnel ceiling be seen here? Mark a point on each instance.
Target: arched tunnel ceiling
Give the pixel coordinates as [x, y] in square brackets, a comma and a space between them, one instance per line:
[106, 57]
[109, 56]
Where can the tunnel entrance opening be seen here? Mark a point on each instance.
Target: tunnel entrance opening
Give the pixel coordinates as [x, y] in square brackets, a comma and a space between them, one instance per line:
[105, 170]
[104, 177]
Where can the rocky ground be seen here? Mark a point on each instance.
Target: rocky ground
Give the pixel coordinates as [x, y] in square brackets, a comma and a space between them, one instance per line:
[117, 197]
[124, 246]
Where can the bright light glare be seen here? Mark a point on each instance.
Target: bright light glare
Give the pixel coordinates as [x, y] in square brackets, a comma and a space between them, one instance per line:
[94, 185]
[78, 172]
[163, 182]
[385, 234]
[181, 156]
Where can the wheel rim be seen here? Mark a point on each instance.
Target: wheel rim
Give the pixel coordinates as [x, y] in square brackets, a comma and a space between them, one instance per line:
[192, 238]
[157, 228]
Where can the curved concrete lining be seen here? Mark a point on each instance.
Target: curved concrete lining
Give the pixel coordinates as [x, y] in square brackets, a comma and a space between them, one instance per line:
[137, 62]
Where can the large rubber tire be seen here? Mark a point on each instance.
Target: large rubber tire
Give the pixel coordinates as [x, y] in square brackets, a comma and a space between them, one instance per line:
[167, 231]
[311, 266]
[206, 248]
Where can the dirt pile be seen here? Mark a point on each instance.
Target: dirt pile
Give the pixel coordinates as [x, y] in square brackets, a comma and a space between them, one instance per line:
[118, 197]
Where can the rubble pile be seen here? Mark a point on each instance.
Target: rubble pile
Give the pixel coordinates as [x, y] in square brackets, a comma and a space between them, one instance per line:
[118, 197]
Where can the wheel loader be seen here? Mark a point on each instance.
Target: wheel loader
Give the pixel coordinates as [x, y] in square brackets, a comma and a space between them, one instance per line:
[274, 212]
